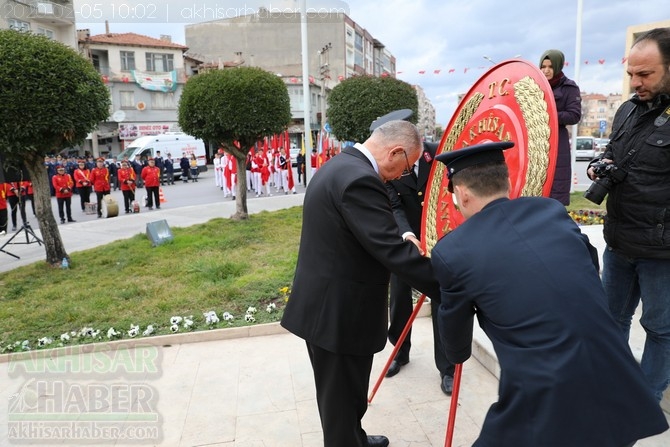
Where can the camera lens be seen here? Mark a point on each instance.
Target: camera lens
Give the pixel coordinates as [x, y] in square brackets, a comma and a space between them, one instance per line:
[598, 190]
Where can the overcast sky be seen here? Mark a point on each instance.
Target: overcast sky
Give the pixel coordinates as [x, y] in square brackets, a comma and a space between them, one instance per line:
[451, 36]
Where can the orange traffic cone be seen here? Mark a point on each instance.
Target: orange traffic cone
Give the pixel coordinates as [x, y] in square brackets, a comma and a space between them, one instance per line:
[161, 197]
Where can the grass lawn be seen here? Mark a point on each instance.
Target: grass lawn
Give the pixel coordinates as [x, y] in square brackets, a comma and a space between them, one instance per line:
[222, 266]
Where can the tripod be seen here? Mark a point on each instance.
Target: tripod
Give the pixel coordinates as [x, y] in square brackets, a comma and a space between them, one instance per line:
[26, 229]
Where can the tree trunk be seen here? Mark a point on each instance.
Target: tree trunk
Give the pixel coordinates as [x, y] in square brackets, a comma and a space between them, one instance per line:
[241, 210]
[53, 244]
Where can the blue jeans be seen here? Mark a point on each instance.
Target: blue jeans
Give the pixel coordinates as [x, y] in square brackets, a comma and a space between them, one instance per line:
[629, 280]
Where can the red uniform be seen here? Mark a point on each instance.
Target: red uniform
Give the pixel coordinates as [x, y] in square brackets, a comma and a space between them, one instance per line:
[151, 176]
[3, 207]
[3, 196]
[63, 185]
[100, 180]
[16, 189]
[82, 178]
[127, 179]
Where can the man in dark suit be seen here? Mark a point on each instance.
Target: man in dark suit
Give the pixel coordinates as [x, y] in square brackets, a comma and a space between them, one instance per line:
[339, 299]
[407, 196]
[523, 267]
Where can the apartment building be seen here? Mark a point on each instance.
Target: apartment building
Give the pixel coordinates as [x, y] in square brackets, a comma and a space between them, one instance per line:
[145, 77]
[426, 120]
[338, 46]
[54, 19]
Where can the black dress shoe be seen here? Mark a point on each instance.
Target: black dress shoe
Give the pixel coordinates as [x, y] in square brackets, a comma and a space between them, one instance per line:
[395, 367]
[378, 441]
[71, 220]
[447, 385]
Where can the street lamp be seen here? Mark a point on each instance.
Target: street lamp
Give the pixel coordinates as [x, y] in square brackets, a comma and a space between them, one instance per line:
[324, 72]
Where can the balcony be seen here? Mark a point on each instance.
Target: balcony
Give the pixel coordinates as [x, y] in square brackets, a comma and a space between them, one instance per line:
[41, 11]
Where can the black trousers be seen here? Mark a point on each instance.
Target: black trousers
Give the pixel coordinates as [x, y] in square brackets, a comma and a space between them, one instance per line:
[84, 196]
[152, 195]
[3, 219]
[401, 308]
[99, 195]
[17, 203]
[128, 197]
[64, 202]
[341, 395]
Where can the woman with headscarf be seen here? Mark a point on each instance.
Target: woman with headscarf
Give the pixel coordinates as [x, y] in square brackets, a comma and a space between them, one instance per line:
[569, 108]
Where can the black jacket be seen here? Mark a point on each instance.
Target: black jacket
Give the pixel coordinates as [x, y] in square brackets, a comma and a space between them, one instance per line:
[348, 246]
[638, 208]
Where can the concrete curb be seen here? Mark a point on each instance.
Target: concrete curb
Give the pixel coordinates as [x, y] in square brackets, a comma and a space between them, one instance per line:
[158, 340]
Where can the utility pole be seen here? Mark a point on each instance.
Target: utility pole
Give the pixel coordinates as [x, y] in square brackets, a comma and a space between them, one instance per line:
[324, 72]
[305, 88]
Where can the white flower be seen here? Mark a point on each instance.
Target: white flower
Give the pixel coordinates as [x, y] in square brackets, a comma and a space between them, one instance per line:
[134, 330]
[95, 333]
[86, 332]
[174, 328]
[227, 316]
[25, 345]
[176, 320]
[211, 317]
[251, 310]
[44, 341]
[249, 318]
[111, 333]
[148, 331]
[73, 333]
[271, 307]
[188, 322]
[64, 337]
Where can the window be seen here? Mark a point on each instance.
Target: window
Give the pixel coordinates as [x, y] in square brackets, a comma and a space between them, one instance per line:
[18, 25]
[358, 42]
[160, 100]
[45, 8]
[45, 32]
[160, 62]
[127, 60]
[127, 99]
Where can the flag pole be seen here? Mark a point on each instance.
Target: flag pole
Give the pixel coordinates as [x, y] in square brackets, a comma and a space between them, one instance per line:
[458, 369]
[397, 346]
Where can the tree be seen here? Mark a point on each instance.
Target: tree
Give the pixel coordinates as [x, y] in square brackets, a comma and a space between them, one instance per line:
[235, 107]
[356, 102]
[50, 99]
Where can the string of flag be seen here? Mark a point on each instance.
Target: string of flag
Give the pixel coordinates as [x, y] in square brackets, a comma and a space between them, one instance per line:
[438, 71]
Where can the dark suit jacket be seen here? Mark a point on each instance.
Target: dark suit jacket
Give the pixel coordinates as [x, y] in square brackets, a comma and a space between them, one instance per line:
[568, 377]
[408, 193]
[348, 246]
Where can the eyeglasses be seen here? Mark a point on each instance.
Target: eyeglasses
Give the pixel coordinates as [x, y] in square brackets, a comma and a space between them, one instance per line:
[408, 170]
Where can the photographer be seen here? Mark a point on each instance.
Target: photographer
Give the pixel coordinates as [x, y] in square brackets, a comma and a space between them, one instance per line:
[634, 172]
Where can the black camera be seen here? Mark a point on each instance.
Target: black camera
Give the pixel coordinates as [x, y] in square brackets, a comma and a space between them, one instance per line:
[608, 175]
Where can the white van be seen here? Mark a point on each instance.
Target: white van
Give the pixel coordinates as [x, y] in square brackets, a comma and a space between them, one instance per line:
[175, 143]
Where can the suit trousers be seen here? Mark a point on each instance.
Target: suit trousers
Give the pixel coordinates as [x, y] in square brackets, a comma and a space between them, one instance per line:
[401, 308]
[341, 394]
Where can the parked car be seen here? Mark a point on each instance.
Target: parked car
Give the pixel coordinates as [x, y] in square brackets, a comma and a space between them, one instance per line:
[586, 148]
[601, 144]
[294, 151]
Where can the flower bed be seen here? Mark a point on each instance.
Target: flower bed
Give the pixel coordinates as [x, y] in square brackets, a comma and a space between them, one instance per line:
[588, 217]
